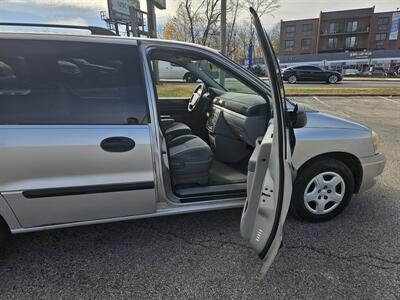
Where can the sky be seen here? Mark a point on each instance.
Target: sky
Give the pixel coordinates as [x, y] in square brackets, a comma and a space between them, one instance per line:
[87, 12]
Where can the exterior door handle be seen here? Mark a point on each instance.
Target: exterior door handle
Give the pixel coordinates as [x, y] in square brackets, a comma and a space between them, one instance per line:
[117, 144]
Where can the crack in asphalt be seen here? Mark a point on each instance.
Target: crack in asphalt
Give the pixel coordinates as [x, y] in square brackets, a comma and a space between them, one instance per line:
[321, 251]
[351, 258]
[202, 243]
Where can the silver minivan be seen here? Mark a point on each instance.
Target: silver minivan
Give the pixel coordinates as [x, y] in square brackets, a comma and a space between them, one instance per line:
[87, 137]
[83, 140]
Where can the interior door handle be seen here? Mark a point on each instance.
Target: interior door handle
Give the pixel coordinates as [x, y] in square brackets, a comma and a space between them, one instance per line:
[117, 144]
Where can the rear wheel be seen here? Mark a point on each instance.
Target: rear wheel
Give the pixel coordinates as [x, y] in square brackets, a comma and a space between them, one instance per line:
[333, 79]
[322, 189]
[292, 79]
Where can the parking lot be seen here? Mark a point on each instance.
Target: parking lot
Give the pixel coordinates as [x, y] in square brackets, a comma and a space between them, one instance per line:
[356, 255]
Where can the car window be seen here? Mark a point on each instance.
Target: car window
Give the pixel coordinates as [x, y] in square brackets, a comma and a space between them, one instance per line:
[56, 82]
[201, 70]
[312, 68]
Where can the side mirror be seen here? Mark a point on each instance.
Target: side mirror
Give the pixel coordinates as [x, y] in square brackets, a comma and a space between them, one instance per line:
[298, 117]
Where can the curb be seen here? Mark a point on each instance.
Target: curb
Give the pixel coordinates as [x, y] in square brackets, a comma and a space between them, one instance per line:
[341, 95]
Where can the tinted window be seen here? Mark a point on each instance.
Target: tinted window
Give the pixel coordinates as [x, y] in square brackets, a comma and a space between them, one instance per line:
[49, 82]
[311, 68]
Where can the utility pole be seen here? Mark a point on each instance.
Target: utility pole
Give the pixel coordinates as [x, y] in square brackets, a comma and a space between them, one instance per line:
[151, 28]
[223, 38]
[223, 27]
[151, 19]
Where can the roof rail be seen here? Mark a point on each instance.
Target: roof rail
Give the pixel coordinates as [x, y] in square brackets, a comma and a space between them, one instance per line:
[93, 29]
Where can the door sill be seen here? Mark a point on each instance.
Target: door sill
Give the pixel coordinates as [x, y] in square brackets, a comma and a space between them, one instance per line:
[211, 192]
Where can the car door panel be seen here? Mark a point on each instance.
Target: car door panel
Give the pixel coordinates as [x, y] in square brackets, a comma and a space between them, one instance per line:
[60, 174]
[269, 176]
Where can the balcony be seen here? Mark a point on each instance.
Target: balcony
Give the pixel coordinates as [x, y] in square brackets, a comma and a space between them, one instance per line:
[326, 32]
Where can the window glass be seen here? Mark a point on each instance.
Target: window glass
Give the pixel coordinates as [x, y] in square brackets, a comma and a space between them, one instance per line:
[352, 26]
[290, 28]
[312, 68]
[333, 27]
[289, 43]
[332, 43]
[305, 43]
[380, 36]
[307, 27]
[383, 20]
[201, 70]
[51, 82]
[351, 42]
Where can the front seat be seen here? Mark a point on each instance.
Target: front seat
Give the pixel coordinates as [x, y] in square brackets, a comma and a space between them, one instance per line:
[190, 159]
[173, 129]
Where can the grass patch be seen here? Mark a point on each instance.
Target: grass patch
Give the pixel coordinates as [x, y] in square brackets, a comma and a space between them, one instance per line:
[176, 90]
[342, 91]
[186, 90]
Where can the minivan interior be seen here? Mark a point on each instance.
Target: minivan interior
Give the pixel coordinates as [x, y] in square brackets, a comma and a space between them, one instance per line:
[209, 135]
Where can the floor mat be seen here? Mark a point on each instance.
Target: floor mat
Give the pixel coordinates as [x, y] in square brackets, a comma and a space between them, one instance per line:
[221, 173]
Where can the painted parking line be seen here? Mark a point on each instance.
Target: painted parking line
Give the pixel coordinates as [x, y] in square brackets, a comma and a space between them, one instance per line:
[330, 106]
[322, 102]
[388, 99]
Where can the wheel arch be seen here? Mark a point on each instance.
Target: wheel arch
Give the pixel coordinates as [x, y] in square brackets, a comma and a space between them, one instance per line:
[7, 216]
[348, 159]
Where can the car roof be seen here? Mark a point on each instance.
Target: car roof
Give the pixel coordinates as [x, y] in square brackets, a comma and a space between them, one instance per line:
[94, 38]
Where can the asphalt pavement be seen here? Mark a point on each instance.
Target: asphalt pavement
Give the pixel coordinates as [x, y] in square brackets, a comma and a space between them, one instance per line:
[354, 256]
[349, 84]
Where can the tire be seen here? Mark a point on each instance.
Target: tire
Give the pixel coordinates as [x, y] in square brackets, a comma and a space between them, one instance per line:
[190, 78]
[4, 232]
[292, 79]
[315, 181]
[333, 79]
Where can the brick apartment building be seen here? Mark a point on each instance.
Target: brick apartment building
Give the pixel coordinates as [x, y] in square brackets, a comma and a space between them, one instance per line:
[335, 33]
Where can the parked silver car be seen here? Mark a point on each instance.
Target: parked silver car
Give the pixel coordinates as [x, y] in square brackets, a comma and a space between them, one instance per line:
[87, 137]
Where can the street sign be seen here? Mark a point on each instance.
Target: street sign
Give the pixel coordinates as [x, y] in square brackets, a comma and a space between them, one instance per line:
[118, 10]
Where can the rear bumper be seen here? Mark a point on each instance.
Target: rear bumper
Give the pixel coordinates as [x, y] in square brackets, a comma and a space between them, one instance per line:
[372, 167]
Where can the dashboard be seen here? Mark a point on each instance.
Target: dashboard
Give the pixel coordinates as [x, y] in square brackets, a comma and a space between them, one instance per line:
[235, 121]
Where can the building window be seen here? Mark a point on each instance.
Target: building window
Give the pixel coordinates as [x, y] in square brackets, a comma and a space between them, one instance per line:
[290, 28]
[351, 42]
[307, 27]
[334, 28]
[289, 44]
[305, 43]
[332, 43]
[352, 26]
[383, 20]
[380, 37]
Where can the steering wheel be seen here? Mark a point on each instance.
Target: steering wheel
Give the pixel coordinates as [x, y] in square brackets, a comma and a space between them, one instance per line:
[196, 96]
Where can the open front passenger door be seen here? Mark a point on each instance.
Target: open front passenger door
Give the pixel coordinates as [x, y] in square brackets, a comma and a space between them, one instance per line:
[269, 182]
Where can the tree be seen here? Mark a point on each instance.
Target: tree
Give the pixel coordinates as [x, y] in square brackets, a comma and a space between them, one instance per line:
[274, 36]
[195, 21]
[263, 7]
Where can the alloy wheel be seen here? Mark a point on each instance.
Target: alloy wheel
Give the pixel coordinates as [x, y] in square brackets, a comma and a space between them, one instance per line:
[292, 79]
[333, 79]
